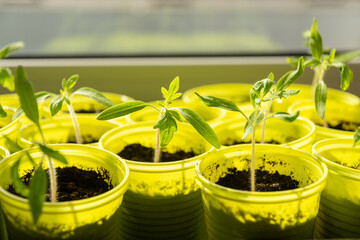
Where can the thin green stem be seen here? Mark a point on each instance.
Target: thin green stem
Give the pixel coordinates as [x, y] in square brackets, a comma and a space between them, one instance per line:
[252, 168]
[157, 147]
[247, 119]
[75, 123]
[268, 107]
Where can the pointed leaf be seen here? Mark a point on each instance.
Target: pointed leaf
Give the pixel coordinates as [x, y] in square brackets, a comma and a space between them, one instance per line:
[312, 63]
[271, 76]
[56, 104]
[2, 112]
[290, 77]
[175, 114]
[38, 189]
[212, 101]
[332, 55]
[347, 57]
[63, 83]
[120, 110]
[320, 98]
[19, 186]
[71, 82]
[53, 154]
[167, 126]
[95, 95]
[7, 79]
[248, 128]
[175, 96]
[26, 95]
[165, 93]
[287, 117]
[357, 137]
[200, 126]
[10, 49]
[174, 86]
[287, 93]
[315, 42]
[346, 75]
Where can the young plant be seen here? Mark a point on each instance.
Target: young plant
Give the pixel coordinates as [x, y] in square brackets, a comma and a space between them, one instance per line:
[261, 92]
[6, 76]
[321, 61]
[38, 183]
[65, 96]
[166, 125]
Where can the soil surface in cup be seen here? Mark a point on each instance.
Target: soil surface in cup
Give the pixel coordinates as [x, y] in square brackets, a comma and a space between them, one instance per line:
[231, 142]
[342, 125]
[137, 152]
[265, 181]
[88, 111]
[74, 183]
[86, 139]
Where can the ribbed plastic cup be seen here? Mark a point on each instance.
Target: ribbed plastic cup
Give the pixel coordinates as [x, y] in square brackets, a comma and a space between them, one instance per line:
[89, 219]
[299, 134]
[283, 105]
[11, 100]
[163, 200]
[9, 128]
[210, 115]
[60, 129]
[336, 110]
[339, 214]
[234, 214]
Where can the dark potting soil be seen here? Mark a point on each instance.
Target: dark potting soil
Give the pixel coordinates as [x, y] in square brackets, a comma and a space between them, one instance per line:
[137, 152]
[74, 183]
[265, 181]
[87, 111]
[86, 139]
[343, 125]
[236, 142]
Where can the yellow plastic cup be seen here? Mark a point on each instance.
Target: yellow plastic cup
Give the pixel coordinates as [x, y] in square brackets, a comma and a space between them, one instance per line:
[163, 200]
[339, 214]
[60, 129]
[9, 128]
[235, 214]
[11, 100]
[92, 218]
[335, 110]
[210, 115]
[282, 105]
[299, 134]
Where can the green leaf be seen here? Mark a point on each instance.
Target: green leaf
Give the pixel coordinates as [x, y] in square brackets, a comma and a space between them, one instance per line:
[10, 49]
[38, 189]
[248, 128]
[26, 96]
[271, 76]
[7, 79]
[293, 61]
[13, 145]
[174, 86]
[71, 82]
[56, 104]
[332, 55]
[200, 126]
[39, 97]
[315, 42]
[212, 101]
[287, 117]
[175, 114]
[95, 95]
[165, 93]
[290, 77]
[320, 98]
[287, 93]
[346, 75]
[2, 112]
[312, 63]
[3, 231]
[53, 154]
[167, 126]
[122, 109]
[63, 83]
[259, 91]
[357, 137]
[19, 186]
[175, 96]
[347, 57]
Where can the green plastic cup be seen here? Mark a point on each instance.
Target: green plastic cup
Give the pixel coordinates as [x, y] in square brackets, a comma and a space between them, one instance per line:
[339, 214]
[235, 214]
[92, 218]
[163, 200]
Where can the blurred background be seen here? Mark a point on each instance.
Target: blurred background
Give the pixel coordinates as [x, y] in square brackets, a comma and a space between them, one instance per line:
[134, 43]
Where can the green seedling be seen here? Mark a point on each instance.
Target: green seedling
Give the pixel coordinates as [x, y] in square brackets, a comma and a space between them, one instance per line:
[38, 183]
[261, 92]
[321, 62]
[166, 125]
[357, 137]
[65, 96]
[6, 76]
